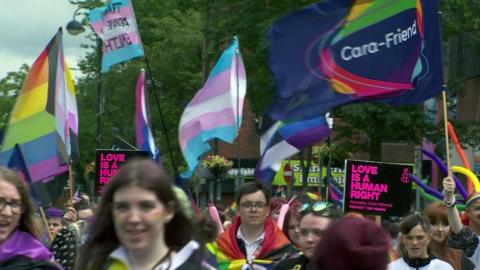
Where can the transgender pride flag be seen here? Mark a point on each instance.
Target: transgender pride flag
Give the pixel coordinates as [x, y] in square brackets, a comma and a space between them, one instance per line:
[115, 24]
[216, 110]
[145, 141]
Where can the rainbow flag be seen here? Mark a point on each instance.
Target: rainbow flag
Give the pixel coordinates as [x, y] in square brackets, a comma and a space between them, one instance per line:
[116, 25]
[338, 52]
[216, 110]
[44, 120]
[144, 136]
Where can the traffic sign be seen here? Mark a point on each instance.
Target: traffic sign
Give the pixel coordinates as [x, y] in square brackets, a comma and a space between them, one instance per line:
[287, 173]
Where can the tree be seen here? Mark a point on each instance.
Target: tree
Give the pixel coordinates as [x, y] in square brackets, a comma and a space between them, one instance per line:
[9, 89]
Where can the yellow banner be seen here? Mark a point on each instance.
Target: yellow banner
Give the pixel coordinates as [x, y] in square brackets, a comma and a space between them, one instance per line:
[313, 175]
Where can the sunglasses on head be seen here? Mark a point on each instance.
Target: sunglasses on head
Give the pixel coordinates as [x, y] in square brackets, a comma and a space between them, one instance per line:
[316, 207]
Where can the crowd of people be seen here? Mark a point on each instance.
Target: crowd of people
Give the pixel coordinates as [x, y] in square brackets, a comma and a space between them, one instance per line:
[143, 222]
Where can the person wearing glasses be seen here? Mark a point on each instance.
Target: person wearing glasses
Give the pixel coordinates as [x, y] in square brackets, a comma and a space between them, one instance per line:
[20, 247]
[414, 246]
[253, 240]
[314, 220]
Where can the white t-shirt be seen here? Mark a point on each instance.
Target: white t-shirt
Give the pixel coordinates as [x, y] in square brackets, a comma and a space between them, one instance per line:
[434, 264]
[251, 248]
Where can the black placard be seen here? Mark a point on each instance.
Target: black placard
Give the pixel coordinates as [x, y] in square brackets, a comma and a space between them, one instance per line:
[108, 162]
[377, 188]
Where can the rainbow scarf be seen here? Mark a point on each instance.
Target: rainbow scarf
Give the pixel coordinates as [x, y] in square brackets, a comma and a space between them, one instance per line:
[230, 257]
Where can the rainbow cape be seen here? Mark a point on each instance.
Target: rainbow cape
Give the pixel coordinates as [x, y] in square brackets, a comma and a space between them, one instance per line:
[230, 257]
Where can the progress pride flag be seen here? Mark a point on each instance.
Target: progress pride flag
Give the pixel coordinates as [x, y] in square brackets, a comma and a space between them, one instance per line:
[377, 188]
[115, 24]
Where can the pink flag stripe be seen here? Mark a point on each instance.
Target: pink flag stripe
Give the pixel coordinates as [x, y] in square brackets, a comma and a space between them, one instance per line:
[124, 12]
[206, 122]
[46, 169]
[215, 104]
[215, 86]
[241, 68]
[131, 35]
[73, 122]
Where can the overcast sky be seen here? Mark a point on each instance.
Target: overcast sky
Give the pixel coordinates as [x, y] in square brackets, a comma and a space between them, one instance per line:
[26, 26]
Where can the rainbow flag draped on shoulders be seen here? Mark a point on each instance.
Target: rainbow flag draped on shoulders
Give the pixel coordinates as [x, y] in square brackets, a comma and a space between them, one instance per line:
[338, 52]
[44, 120]
[216, 110]
[229, 256]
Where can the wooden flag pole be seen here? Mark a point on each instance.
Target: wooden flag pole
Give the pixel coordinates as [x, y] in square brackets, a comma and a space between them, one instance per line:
[44, 218]
[71, 180]
[378, 220]
[445, 124]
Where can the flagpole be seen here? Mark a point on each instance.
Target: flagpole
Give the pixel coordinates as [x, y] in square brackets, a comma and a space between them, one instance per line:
[45, 222]
[445, 125]
[70, 177]
[162, 121]
[238, 114]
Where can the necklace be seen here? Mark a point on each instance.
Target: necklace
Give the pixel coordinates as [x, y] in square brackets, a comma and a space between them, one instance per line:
[166, 256]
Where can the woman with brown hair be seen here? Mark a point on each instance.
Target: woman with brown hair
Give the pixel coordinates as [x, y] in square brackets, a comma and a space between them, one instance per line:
[139, 224]
[291, 225]
[440, 231]
[414, 246]
[20, 247]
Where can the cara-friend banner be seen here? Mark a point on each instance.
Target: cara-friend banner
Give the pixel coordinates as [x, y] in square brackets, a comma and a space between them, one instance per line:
[338, 52]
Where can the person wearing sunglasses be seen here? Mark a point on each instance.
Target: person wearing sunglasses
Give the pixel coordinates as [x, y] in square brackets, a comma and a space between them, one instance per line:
[253, 240]
[20, 247]
[314, 220]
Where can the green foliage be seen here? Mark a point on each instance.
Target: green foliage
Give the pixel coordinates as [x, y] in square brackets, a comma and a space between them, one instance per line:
[9, 89]
[461, 16]
[183, 40]
[363, 127]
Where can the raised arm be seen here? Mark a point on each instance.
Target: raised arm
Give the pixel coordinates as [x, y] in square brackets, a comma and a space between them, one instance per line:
[449, 200]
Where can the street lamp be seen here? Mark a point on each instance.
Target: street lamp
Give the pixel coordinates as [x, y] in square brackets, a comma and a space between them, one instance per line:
[74, 28]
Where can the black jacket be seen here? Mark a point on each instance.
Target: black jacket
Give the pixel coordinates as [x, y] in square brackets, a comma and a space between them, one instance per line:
[25, 263]
[298, 263]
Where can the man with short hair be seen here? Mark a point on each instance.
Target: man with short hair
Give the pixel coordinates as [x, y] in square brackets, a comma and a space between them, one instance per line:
[253, 240]
[314, 221]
